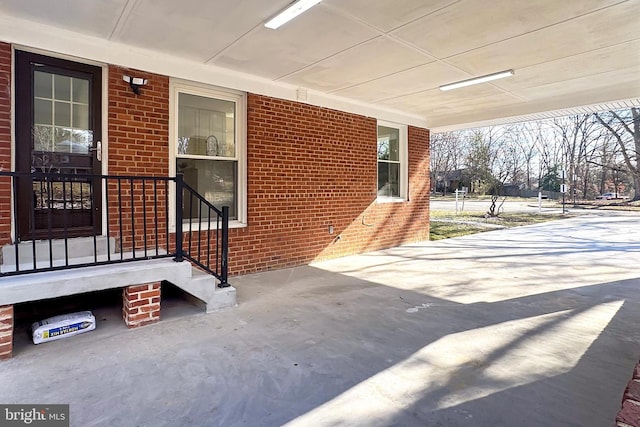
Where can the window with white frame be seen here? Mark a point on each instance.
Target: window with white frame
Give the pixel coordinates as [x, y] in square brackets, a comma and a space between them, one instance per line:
[208, 146]
[392, 162]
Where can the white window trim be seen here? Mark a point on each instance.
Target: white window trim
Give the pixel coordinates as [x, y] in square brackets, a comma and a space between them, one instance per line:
[177, 86]
[404, 163]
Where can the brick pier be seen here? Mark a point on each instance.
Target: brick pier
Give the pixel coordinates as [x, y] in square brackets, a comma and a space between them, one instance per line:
[141, 304]
[6, 331]
[629, 415]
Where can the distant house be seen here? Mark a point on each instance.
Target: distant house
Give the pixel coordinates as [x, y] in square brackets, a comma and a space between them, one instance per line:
[452, 180]
[513, 190]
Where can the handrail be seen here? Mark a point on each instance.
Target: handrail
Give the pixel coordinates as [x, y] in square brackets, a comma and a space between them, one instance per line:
[221, 231]
[137, 217]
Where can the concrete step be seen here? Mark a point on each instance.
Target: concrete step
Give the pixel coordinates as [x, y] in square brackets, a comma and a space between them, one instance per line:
[81, 251]
[77, 247]
[53, 284]
[204, 287]
[46, 263]
[42, 285]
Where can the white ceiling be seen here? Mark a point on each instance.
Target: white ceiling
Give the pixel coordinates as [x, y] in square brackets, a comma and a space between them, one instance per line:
[392, 54]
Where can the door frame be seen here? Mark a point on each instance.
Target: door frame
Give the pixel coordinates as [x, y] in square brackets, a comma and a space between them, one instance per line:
[23, 110]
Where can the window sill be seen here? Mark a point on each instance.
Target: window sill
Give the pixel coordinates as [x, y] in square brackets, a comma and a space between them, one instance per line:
[196, 226]
[390, 200]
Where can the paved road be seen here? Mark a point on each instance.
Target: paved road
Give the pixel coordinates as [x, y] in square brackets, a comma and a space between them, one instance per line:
[483, 206]
[533, 326]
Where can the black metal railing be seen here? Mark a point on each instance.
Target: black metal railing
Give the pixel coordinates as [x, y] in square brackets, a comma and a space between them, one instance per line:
[52, 208]
[196, 210]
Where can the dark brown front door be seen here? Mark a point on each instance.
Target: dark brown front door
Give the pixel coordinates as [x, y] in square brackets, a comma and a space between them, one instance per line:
[58, 133]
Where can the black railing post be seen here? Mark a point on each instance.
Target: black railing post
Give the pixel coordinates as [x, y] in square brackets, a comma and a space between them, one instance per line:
[16, 230]
[225, 248]
[179, 189]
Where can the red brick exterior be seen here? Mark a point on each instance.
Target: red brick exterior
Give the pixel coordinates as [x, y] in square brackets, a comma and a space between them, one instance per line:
[141, 304]
[138, 124]
[312, 167]
[6, 331]
[138, 144]
[5, 142]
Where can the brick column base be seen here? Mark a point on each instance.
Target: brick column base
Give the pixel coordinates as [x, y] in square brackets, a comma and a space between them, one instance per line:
[629, 415]
[141, 304]
[6, 331]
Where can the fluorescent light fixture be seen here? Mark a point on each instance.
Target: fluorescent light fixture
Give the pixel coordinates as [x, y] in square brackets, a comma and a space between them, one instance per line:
[477, 80]
[294, 9]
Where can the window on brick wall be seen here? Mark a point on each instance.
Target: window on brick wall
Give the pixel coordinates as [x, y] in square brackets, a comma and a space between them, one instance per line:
[208, 146]
[392, 162]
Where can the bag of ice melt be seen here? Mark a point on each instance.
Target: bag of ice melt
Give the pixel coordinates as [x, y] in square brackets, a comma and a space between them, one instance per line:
[63, 326]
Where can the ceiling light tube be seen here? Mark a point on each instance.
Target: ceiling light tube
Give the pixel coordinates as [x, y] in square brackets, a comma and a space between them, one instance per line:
[294, 9]
[477, 80]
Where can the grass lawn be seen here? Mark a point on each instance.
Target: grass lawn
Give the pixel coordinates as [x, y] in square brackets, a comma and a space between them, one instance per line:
[446, 224]
[444, 230]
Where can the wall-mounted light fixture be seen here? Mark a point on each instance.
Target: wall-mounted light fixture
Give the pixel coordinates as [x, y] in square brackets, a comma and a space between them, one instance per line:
[293, 10]
[477, 80]
[135, 82]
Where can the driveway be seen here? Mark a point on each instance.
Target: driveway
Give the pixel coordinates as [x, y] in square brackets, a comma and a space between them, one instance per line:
[533, 326]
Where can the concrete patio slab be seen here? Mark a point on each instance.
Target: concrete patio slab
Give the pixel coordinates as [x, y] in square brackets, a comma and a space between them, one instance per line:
[535, 326]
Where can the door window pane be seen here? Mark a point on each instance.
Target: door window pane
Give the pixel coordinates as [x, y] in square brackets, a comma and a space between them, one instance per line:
[80, 90]
[42, 138]
[62, 114]
[63, 141]
[43, 85]
[43, 112]
[62, 87]
[80, 116]
[82, 137]
[53, 107]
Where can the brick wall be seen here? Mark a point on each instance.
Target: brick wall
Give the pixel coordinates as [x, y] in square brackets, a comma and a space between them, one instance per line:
[310, 168]
[138, 145]
[5, 142]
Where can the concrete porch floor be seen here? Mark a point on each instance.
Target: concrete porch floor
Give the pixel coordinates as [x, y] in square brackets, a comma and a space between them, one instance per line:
[535, 326]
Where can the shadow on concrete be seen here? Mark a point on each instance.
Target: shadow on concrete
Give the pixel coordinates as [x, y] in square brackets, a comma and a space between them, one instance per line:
[586, 393]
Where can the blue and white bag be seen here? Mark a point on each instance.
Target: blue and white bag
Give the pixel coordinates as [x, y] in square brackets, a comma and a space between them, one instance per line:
[63, 326]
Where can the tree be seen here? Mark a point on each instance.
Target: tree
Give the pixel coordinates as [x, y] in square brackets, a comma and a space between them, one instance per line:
[624, 125]
[480, 158]
[527, 136]
[552, 179]
[446, 154]
[590, 147]
[490, 160]
[579, 136]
